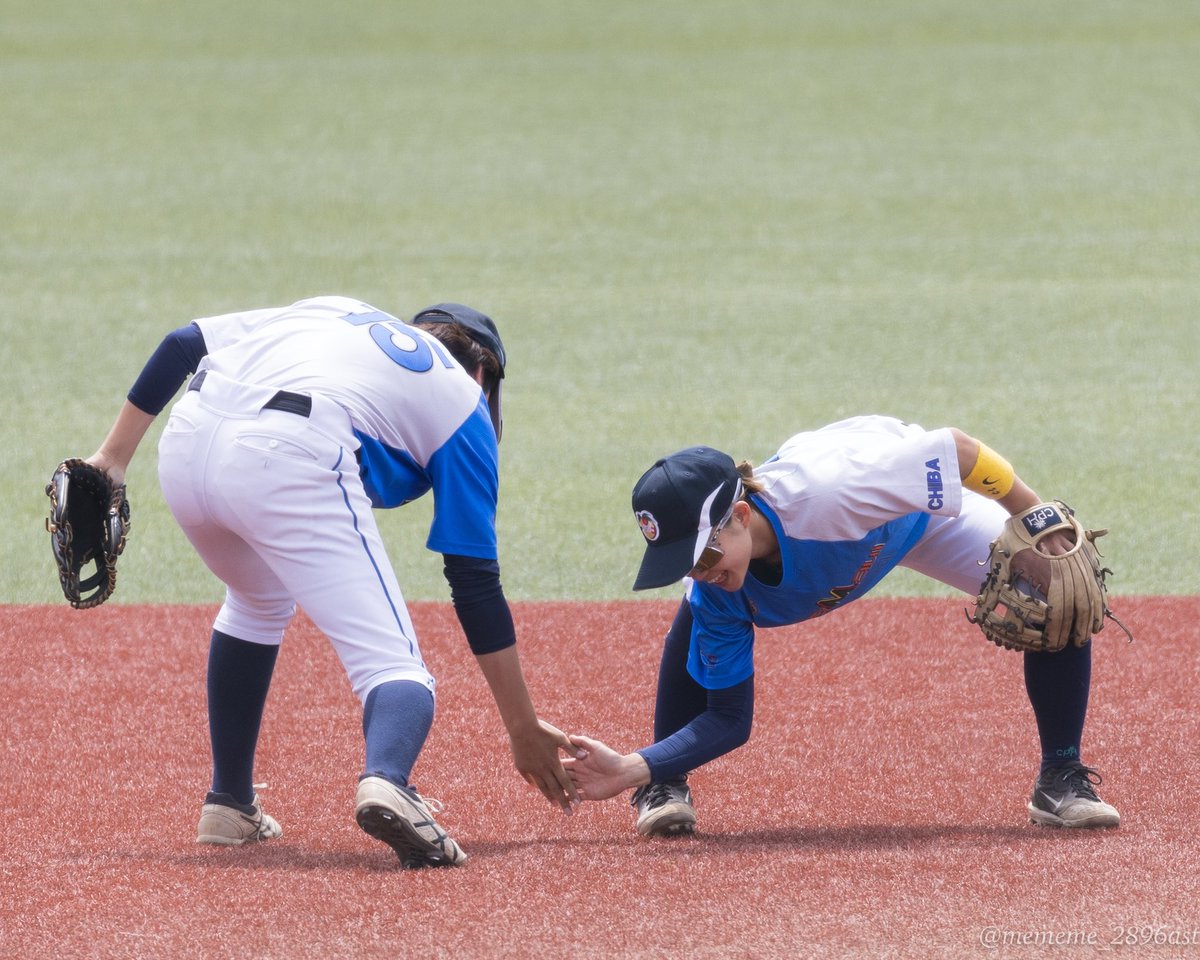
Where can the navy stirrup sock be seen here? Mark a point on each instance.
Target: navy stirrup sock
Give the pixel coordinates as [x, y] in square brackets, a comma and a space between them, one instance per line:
[1058, 685]
[239, 675]
[396, 720]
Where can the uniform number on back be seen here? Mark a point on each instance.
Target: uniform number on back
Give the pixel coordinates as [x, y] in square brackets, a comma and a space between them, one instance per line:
[407, 346]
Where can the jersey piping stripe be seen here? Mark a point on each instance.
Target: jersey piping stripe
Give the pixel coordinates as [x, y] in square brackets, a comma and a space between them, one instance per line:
[371, 556]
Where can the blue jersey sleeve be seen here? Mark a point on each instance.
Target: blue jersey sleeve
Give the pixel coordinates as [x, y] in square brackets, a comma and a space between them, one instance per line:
[463, 474]
[466, 485]
[391, 477]
[722, 648]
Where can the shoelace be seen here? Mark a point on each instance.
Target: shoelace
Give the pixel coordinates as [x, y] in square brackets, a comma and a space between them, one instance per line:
[656, 794]
[440, 837]
[1082, 780]
[434, 805]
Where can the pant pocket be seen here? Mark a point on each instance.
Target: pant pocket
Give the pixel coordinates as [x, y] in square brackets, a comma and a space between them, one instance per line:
[273, 446]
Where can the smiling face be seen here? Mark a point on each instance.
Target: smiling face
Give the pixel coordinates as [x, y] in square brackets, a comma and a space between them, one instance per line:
[736, 544]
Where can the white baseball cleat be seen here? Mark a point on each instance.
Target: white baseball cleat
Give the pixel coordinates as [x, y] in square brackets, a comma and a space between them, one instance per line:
[231, 824]
[403, 819]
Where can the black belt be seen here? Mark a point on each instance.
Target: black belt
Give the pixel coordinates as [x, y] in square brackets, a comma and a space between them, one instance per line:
[297, 403]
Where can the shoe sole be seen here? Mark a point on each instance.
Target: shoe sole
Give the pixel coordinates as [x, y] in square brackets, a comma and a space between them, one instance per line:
[413, 850]
[216, 841]
[1043, 818]
[670, 830]
[676, 824]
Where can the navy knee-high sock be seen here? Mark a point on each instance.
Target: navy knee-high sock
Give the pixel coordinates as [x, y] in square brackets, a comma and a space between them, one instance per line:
[680, 699]
[1058, 686]
[396, 720]
[239, 675]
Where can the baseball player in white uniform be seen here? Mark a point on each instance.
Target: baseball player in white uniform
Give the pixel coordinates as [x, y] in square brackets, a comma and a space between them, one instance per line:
[298, 421]
[810, 530]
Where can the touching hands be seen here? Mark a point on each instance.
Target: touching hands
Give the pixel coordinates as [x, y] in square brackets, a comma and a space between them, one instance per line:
[535, 754]
[599, 772]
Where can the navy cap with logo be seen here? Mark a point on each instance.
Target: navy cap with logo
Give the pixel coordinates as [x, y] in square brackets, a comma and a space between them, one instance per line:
[677, 503]
[483, 331]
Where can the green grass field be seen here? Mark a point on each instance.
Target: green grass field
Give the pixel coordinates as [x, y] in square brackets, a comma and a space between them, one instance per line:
[694, 222]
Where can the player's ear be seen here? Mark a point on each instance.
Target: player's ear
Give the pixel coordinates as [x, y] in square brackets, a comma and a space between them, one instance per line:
[741, 512]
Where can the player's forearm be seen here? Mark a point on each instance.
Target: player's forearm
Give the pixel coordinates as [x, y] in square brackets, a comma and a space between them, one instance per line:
[502, 671]
[723, 727]
[122, 441]
[981, 469]
[479, 602]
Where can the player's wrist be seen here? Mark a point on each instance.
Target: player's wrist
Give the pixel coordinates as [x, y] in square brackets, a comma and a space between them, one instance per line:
[992, 476]
[635, 770]
[522, 728]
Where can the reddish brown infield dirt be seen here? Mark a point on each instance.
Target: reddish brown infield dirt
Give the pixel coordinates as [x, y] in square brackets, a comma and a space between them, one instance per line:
[878, 810]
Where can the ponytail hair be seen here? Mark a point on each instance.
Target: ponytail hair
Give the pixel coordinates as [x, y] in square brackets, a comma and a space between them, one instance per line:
[750, 483]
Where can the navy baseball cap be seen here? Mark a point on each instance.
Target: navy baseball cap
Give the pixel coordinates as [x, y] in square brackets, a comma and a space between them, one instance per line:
[677, 503]
[483, 331]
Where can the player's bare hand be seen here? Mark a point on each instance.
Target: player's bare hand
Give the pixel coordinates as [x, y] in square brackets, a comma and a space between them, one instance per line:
[103, 461]
[535, 754]
[1056, 544]
[601, 772]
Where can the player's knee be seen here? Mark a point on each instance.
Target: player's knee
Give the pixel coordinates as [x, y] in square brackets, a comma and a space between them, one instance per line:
[259, 620]
[365, 679]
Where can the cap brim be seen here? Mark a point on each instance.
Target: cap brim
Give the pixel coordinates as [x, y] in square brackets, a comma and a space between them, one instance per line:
[665, 563]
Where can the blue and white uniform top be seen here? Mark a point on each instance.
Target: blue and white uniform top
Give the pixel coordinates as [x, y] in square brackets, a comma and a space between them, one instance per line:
[847, 502]
[421, 422]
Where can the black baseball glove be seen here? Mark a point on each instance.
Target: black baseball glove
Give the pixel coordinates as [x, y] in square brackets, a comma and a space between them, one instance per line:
[88, 522]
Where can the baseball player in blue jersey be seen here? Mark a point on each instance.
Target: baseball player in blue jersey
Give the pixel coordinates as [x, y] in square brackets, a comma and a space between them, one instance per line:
[810, 530]
[297, 422]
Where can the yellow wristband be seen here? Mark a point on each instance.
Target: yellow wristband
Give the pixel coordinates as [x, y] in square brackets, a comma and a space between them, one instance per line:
[992, 475]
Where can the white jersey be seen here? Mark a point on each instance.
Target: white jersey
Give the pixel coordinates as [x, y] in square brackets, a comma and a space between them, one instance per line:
[848, 503]
[842, 481]
[421, 421]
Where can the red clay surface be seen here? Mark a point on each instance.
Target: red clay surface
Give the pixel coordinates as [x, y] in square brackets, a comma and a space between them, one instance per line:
[878, 810]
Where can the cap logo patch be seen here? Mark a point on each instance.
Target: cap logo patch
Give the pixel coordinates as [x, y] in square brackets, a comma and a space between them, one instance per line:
[648, 524]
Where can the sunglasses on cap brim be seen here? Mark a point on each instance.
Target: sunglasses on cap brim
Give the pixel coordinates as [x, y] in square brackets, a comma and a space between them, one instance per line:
[711, 555]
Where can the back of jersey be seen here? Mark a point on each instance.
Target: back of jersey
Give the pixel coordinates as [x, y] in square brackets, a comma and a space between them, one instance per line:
[399, 385]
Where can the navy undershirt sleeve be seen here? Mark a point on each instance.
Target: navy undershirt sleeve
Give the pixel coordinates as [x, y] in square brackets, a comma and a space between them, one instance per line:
[723, 726]
[480, 603]
[176, 357]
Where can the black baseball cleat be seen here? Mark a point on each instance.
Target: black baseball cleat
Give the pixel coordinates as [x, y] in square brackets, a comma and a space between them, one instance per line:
[664, 809]
[1065, 796]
